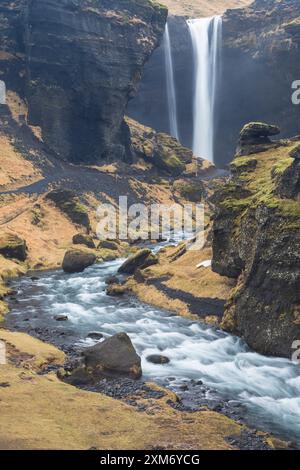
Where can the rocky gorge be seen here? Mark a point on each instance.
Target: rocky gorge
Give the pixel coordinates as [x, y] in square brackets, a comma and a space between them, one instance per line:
[259, 65]
[146, 345]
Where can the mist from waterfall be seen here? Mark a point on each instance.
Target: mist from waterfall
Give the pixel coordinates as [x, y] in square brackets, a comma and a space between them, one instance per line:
[170, 82]
[206, 35]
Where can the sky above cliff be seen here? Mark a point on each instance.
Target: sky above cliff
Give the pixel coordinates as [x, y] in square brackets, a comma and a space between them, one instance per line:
[196, 8]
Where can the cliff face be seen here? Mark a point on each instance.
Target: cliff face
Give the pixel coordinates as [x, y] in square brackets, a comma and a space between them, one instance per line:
[256, 239]
[261, 47]
[77, 63]
[260, 60]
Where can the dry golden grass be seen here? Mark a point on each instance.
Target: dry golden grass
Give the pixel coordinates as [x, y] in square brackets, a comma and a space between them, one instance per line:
[199, 8]
[15, 171]
[40, 412]
[184, 276]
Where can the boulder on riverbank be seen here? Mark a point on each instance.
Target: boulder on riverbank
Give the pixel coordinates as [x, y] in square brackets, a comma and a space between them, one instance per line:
[12, 247]
[76, 261]
[114, 356]
[108, 245]
[140, 260]
[86, 240]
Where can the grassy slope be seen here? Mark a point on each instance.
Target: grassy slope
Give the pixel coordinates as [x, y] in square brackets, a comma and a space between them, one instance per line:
[198, 8]
[40, 412]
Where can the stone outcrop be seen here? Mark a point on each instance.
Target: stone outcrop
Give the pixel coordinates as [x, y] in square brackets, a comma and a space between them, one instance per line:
[86, 240]
[140, 260]
[256, 240]
[161, 150]
[76, 261]
[12, 247]
[77, 63]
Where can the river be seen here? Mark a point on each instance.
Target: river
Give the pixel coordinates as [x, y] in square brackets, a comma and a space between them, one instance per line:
[265, 390]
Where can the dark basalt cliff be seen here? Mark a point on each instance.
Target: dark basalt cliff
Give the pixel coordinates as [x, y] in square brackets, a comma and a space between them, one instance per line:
[260, 61]
[77, 63]
[256, 238]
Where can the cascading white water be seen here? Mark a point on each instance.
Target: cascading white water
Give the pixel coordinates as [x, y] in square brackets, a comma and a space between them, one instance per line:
[206, 34]
[171, 93]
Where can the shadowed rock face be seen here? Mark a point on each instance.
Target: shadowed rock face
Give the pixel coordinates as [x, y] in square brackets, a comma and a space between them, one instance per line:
[80, 64]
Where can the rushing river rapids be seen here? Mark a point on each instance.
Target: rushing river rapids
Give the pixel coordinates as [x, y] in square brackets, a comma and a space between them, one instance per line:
[267, 389]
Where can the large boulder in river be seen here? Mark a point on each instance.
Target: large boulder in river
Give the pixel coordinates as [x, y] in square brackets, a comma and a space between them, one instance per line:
[115, 355]
[140, 260]
[76, 261]
[13, 247]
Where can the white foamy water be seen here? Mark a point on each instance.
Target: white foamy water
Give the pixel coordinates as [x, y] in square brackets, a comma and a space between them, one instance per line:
[170, 82]
[268, 387]
[206, 34]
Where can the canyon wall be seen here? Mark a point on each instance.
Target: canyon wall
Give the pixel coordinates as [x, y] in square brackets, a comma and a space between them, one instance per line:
[76, 63]
[256, 240]
[260, 60]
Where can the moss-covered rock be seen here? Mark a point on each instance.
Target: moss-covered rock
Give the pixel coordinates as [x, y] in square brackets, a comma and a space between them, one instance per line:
[76, 261]
[108, 245]
[258, 130]
[140, 260]
[193, 191]
[82, 239]
[161, 150]
[255, 138]
[69, 203]
[12, 247]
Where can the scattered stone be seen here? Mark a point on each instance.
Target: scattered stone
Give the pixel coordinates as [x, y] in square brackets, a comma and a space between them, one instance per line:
[142, 259]
[108, 255]
[158, 359]
[61, 318]
[87, 240]
[184, 387]
[76, 261]
[116, 290]
[112, 280]
[95, 335]
[12, 247]
[108, 245]
[4, 384]
[34, 278]
[295, 153]
[114, 355]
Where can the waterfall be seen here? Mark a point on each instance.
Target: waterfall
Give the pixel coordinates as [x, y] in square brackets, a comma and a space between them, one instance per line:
[206, 34]
[171, 94]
